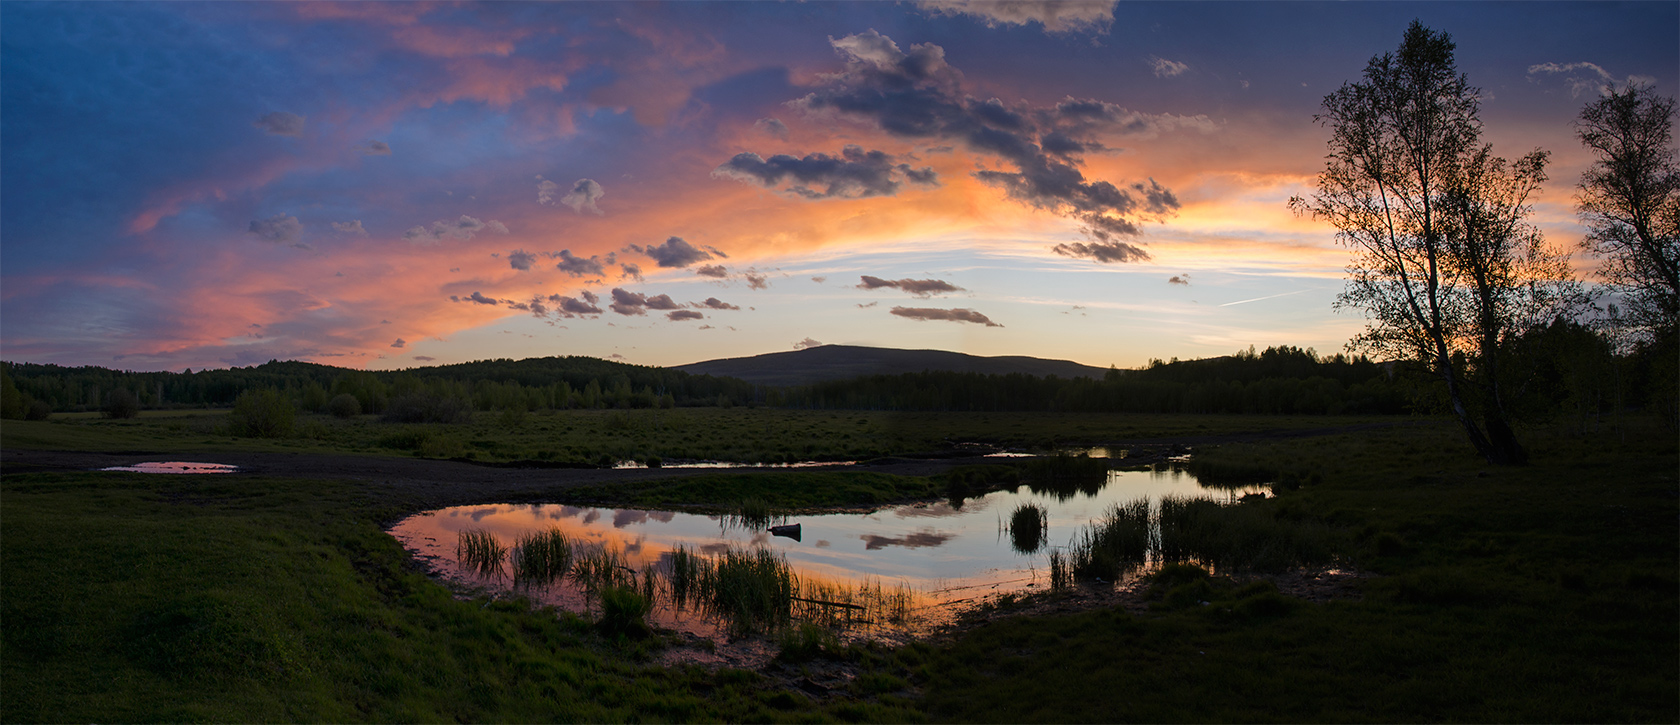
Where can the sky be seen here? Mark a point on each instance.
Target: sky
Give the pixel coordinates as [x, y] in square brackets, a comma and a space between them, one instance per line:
[392, 185]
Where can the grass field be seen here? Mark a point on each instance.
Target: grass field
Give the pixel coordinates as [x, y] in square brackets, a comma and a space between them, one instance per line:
[1543, 593]
[751, 435]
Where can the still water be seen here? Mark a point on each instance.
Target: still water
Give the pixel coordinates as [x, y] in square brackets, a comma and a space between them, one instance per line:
[175, 467]
[943, 553]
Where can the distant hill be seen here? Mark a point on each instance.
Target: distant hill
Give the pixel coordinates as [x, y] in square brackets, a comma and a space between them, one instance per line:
[839, 362]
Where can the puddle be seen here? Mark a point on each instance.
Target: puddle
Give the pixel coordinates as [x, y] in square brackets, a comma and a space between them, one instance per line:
[731, 464]
[940, 555]
[175, 467]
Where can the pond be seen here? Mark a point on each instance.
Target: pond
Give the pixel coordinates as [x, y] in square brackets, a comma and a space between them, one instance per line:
[175, 467]
[931, 555]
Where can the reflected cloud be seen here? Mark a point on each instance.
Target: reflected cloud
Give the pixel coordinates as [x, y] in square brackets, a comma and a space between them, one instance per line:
[626, 517]
[918, 540]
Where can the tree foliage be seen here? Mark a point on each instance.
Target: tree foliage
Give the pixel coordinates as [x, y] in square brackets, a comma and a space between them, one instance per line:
[1446, 269]
[1630, 200]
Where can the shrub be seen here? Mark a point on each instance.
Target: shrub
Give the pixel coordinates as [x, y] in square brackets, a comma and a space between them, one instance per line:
[122, 403]
[261, 414]
[38, 410]
[624, 611]
[344, 405]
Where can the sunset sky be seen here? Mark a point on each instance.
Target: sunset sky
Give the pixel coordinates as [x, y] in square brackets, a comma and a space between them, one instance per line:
[389, 185]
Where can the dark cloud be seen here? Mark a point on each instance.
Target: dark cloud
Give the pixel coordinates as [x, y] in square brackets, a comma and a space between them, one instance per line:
[679, 315]
[1106, 252]
[675, 252]
[354, 226]
[917, 287]
[400, 343]
[772, 126]
[806, 344]
[867, 306]
[718, 304]
[462, 229]
[481, 299]
[280, 229]
[661, 302]
[571, 306]
[377, 148]
[424, 358]
[756, 279]
[281, 123]
[933, 313]
[628, 303]
[819, 280]
[916, 95]
[521, 260]
[1183, 279]
[712, 270]
[584, 194]
[1056, 16]
[630, 271]
[578, 266]
[589, 297]
[536, 306]
[855, 174]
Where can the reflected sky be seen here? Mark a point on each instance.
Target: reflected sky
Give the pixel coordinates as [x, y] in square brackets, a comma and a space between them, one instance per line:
[934, 548]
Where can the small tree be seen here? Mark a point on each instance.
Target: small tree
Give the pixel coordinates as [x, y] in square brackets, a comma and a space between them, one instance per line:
[344, 405]
[1446, 270]
[1630, 200]
[121, 403]
[262, 414]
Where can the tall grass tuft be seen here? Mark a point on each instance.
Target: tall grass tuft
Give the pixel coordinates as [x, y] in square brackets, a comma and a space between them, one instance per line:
[1061, 576]
[838, 604]
[1112, 547]
[599, 568]
[688, 571]
[624, 611]
[541, 557]
[752, 590]
[1028, 527]
[478, 550]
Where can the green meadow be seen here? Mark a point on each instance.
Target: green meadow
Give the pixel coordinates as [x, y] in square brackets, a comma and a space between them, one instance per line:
[1542, 593]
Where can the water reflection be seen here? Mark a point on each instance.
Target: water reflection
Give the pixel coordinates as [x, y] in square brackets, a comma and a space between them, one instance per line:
[967, 550]
[175, 467]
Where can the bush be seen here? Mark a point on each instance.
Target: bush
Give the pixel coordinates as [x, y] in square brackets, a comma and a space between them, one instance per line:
[624, 611]
[122, 403]
[261, 414]
[344, 405]
[38, 410]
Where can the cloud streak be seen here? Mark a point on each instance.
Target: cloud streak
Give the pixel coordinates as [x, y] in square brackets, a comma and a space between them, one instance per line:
[960, 314]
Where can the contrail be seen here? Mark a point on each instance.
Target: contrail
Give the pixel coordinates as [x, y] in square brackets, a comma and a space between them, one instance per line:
[1267, 297]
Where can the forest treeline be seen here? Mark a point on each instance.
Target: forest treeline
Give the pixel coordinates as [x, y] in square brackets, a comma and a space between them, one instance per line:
[1565, 368]
[530, 384]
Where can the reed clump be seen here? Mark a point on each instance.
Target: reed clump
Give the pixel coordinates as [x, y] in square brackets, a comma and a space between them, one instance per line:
[1239, 537]
[1114, 545]
[541, 557]
[751, 590]
[477, 550]
[1028, 527]
[600, 568]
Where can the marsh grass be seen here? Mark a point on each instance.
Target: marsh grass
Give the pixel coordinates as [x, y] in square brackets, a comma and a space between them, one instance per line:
[687, 571]
[1239, 537]
[750, 590]
[598, 568]
[843, 605]
[1114, 545]
[752, 514]
[477, 550]
[541, 557]
[1028, 527]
